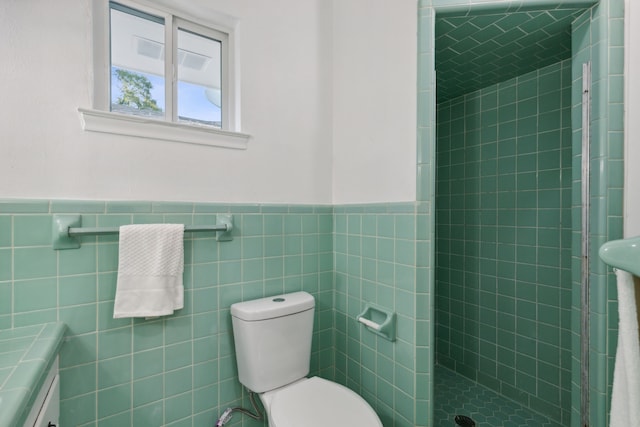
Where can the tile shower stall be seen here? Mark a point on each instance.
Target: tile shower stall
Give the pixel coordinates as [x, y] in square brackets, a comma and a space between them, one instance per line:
[508, 206]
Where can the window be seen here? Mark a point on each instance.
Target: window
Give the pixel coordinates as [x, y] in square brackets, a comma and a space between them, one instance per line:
[163, 70]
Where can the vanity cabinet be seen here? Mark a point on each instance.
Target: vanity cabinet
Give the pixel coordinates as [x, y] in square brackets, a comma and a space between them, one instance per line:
[45, 411]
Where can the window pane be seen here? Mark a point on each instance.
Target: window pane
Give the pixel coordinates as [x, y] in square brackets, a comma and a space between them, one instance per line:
[137, 63]
[199, 79]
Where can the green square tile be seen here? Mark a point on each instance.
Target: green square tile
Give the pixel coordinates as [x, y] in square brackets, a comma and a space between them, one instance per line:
[252, 247]
[205, 300]
[78, 380]
[30, 263]
[292, 245]
[6, 264]
[205, 374]
[405, 278]
[32, 230]
[405, 252]
[230, 272]
[146, 218]
[147, 390]
[274, 267]
[114, 400]
[385, 249]
[310, 243]
[151, 414]
[386, 226]
[107, 254]
[205, 250]
[205, 275]
[178, 407]
[310, 224]
[205, 349]
[78, 350]
[78, 410]
[252, 270]
[75, 290]
[147, 363]
[177, 355]
[273, 246]
[178, 381]
[114, 342]
[203, 397]
[106, 320]
[273, 224]
[77, 261]
[231, 250]
[115, 420]
[177, 329]
[35, 294]
[114, 371]
[79, 319]
[5, 298]
[252, 225]
[229, 295]
[6, 233]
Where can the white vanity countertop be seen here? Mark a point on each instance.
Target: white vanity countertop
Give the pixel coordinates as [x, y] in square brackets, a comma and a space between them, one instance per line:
[26, 354]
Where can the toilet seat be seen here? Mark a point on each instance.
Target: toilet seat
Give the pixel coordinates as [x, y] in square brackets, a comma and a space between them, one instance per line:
[316, 402]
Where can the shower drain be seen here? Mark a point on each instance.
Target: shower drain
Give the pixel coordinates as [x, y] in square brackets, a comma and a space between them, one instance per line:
[464, 421]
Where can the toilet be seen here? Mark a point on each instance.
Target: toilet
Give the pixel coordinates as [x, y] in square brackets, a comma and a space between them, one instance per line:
[273, 350]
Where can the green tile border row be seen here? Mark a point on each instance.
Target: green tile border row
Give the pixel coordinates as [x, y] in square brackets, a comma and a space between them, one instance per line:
[29, 206]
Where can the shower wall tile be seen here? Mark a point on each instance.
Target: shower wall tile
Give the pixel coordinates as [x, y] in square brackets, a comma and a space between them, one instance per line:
[502, 250]
[180, 369]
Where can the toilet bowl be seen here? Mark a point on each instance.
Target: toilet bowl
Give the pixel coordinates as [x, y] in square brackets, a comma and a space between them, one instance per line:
[273, 350]
[316, 402]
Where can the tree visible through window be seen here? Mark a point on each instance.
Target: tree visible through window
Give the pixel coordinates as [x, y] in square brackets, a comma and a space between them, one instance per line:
[135, 91]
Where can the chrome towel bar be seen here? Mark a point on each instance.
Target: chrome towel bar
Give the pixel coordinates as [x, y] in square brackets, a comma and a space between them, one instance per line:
[66, 229]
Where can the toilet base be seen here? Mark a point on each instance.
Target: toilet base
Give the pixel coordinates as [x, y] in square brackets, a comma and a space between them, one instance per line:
[316, 402]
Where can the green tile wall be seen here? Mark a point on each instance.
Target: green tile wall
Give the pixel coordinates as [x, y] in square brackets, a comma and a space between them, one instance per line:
[382, 256]
[178, 370]
[503, 238]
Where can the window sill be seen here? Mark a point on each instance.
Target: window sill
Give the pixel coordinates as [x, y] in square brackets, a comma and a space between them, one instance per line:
[122, 124]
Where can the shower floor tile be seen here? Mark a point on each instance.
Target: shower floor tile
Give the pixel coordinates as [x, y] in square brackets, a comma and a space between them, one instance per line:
[457, 395]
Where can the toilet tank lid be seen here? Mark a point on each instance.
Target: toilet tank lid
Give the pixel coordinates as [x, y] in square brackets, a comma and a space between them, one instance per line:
[272, 307]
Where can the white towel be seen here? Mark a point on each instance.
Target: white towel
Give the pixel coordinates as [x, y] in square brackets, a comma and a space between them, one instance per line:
[150, 266]
[625, 398]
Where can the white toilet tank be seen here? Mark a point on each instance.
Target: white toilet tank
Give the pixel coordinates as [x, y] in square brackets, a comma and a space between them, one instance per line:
[273, 340]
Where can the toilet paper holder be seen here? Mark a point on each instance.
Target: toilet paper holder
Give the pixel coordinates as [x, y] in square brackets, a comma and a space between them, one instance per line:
[379, 321]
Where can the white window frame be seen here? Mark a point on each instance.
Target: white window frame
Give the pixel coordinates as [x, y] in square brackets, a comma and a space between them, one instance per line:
[99, 118]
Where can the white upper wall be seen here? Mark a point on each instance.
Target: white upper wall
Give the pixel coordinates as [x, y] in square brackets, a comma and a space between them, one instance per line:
[374, 100]
[46, 74]
[322, 90]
